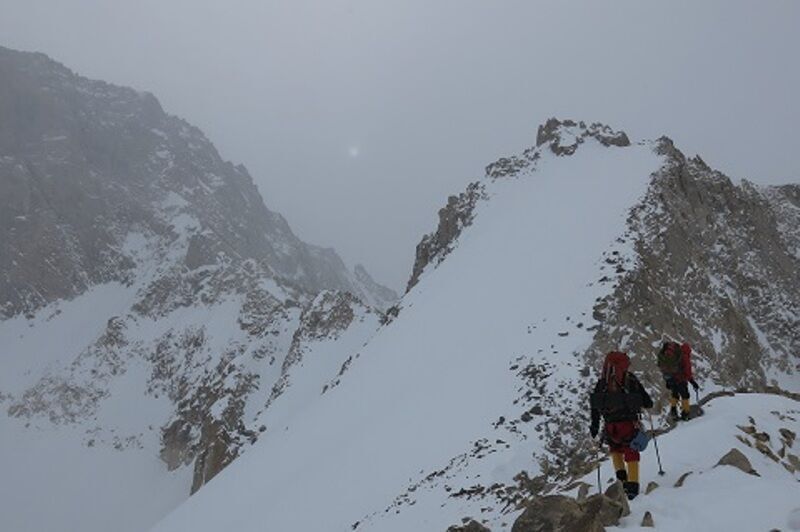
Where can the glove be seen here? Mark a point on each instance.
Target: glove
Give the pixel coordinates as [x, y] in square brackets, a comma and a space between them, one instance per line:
[694, 384]
[594, 429]
[669, 381]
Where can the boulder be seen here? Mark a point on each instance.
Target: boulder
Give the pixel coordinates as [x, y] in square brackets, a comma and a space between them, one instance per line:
[470, 526]
[616, 493]
[735, 458]
[647, 520]
[552, 512]
[562, 513]
[650, 487]
[764, 449]
[788, 436]
[682, 479]
[605, 510]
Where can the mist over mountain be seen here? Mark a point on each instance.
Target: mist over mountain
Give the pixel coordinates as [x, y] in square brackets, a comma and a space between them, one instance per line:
[174, 358]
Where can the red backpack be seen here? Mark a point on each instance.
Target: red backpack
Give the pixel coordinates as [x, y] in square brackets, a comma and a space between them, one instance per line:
[614, 399]
[615, 368]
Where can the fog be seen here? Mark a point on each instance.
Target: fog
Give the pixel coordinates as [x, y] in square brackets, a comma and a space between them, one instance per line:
[357, 118]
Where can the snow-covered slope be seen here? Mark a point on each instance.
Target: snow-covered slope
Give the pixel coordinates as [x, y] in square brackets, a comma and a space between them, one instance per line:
[472, 397]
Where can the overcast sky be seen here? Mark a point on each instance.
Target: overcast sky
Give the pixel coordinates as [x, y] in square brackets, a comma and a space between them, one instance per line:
[357, 118]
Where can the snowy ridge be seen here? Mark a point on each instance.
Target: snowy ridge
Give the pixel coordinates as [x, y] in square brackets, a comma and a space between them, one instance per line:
[472, 398]
[490, 317]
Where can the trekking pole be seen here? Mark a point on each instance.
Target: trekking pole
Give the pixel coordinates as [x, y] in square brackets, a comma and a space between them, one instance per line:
[599, 461]
[655, 444]
[599, 483]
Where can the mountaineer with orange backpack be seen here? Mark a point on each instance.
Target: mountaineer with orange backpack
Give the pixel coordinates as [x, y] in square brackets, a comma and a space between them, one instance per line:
[619, 398]
[674, 361]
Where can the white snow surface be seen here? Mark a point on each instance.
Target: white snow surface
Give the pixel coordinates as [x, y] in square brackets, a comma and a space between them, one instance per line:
[72, 477]
[433, 381]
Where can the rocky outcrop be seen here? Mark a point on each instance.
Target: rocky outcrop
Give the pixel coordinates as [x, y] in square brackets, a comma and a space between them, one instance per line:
[716, 267]
[469, 526]
[736, 459]
[562, 513]
[458, 214]
[325, 318]
[564, 136]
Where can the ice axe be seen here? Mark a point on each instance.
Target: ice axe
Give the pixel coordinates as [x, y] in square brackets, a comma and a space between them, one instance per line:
[655, 444]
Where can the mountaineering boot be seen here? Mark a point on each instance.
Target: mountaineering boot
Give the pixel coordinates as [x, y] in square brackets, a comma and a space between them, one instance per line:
[685, 408]
[631, 485]
[631, 489]
[622, 475]
[673, 413]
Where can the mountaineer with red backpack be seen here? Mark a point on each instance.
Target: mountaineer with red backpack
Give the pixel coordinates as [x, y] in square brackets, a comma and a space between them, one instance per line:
[619, 398]
[674, 361]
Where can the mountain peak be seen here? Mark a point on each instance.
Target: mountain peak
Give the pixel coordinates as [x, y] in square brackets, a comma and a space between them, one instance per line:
[564, 136]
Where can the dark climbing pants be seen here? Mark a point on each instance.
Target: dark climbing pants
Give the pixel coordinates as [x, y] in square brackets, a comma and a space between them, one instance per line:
[680, 390]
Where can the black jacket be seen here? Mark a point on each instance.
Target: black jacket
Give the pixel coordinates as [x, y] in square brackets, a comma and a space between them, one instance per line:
[619, 406]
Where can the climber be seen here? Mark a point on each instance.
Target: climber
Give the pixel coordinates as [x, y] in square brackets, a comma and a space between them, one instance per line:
[675, 363]
[619, 398]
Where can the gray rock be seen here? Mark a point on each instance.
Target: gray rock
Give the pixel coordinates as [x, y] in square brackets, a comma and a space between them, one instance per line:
[647, 520]
[788, 436]
[470, 526]
[735, 458]
[650, 487]
[562, 513]
[682, 479]
[453, 218]
[616, 493]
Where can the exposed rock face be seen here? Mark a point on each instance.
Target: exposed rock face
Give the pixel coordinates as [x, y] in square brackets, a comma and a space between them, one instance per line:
[713, 256]
[326, 317]
[453, 218]
[88, 164]
[564, 137]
